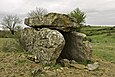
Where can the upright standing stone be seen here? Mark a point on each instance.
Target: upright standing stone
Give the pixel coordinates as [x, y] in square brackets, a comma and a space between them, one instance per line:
[45, 44]
[76, 47]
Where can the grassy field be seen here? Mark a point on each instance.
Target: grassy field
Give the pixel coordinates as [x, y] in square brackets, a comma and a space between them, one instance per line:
[103, 47]
[103, 42]
[14, 63]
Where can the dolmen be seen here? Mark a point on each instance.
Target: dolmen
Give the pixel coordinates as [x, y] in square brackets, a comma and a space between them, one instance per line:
[53, 37]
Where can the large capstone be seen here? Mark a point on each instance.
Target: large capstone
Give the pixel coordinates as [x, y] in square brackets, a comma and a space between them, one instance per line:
[45, 44]
[76, 47]
[53, 20]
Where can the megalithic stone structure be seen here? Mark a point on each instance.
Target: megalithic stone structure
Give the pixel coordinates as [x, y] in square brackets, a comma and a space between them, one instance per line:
[53, 20]
[53, 37]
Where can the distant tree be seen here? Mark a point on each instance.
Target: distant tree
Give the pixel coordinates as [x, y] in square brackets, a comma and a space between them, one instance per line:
[4, 28]
[38, 12]
[10, 22]
[79, 16]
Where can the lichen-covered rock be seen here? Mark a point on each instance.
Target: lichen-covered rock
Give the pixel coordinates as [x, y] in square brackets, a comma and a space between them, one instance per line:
[27, 39]
[45, 44]
[76, 48]
[93, 66]
[53, 20]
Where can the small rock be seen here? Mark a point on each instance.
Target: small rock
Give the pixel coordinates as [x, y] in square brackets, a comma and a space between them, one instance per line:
[66, 68]
[70, 71]
[37, 61]
[31, 57]
[92, 67]
[65, 62]
[36, 71]
[59, 70]
[77, 66]
[73, 62]
[41, 75]
[46, 68]
[50, 74]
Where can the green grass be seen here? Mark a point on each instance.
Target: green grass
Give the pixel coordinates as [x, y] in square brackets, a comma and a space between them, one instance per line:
[10, 44]
[103, 38]
[3, 40]
[104, 51]
[14, 63]
[103, 44]
[98, 30]
[7, 34]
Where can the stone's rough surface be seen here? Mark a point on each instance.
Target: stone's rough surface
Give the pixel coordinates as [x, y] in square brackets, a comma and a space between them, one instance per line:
[65, 62]
[78, 66]
[76, 48]
[53, 20]
[45, 44]
[27, 39]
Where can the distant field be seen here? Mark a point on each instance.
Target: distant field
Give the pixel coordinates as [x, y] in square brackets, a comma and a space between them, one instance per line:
[103, 42]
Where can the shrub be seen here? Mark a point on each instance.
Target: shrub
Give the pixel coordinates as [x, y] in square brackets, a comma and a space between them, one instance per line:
[12, 45]
[7, 34]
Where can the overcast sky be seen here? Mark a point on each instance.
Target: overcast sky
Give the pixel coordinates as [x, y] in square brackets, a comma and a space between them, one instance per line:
[99, 12]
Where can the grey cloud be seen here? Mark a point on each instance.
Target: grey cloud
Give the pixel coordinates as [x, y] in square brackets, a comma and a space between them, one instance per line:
[100, 12]
[103, 17]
